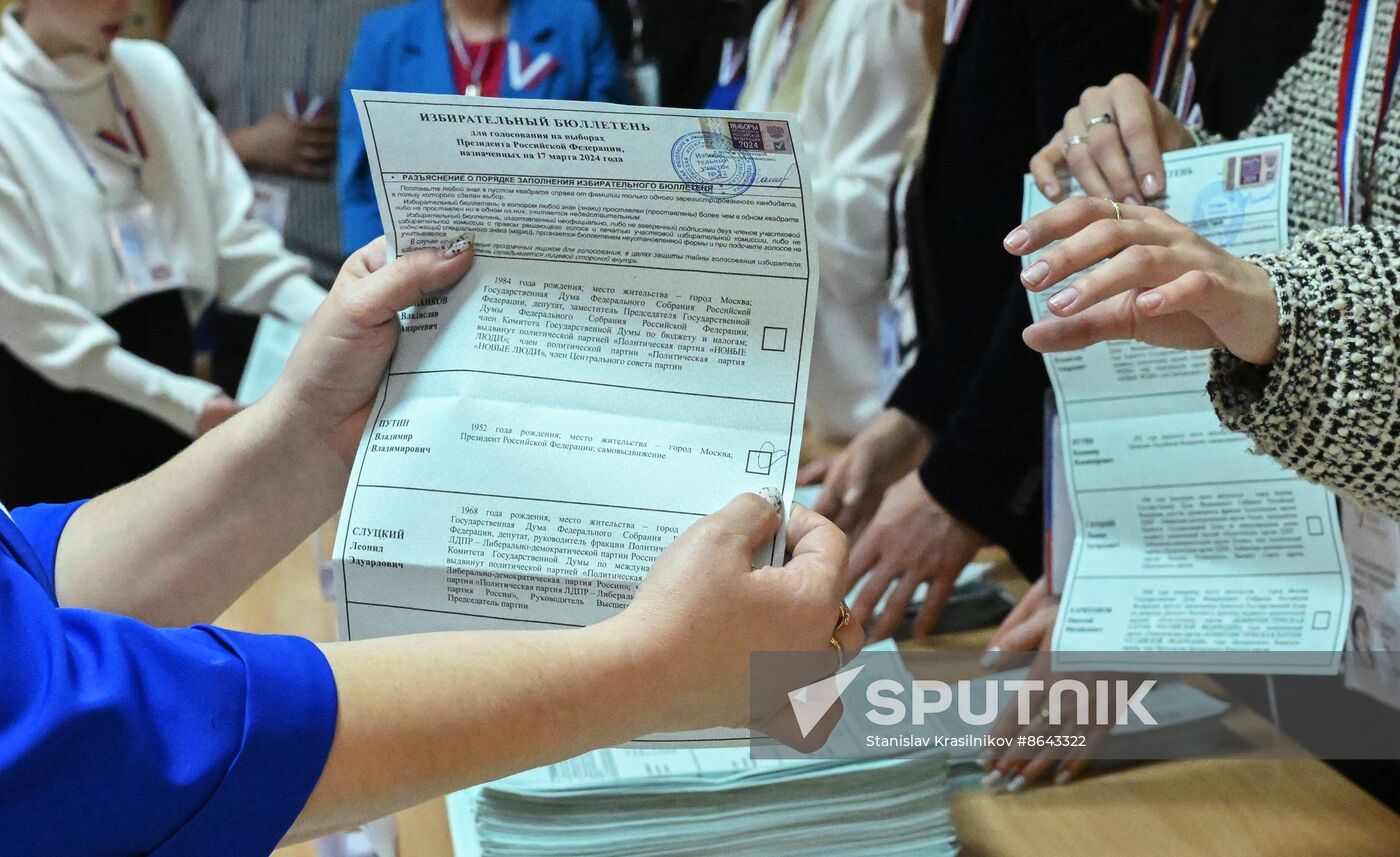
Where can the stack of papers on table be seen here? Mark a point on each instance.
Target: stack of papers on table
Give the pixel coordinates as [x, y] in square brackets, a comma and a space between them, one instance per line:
[620, 802]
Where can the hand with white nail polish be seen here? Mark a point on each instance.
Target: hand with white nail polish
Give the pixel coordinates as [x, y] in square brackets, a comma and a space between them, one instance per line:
[1124, 131]
[854, 480]
[1159, 283]
[1027, 628]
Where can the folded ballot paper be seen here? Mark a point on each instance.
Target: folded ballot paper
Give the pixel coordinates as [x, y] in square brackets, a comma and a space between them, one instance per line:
[614, 803]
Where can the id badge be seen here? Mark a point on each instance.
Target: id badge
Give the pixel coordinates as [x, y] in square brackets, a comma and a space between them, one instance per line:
[645, 80]
[270, 204]
[145, 260]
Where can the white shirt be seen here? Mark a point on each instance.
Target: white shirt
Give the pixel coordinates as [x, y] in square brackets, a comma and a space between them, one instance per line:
[867, 85]
[60, 273]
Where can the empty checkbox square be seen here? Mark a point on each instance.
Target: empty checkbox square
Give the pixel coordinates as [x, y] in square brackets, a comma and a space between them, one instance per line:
[1314, 525]
[775, 338]
[1322, 620]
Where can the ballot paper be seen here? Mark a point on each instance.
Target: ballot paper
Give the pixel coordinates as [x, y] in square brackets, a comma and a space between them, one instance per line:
[1373, 628]
[628, 353]
[268, 356]
[1186, 542]
[712, 801]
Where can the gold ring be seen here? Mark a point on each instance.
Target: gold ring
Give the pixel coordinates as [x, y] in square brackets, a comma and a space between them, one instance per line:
[1103, 119]
[840, 653]
[1117, 209]
[843, 618]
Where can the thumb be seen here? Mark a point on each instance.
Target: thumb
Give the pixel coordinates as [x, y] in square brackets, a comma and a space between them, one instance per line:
[378, 297]
[751, 519]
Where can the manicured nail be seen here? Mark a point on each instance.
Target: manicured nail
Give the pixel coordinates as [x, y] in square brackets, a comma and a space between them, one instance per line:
[1063, 777]
[1131, 200]
[1151, 185]
[990, 658]
[773, 496]
[1150, 302]
[458, 246]
[1064, 298]
[1017, 239]
[1017, 784]
[1050, 189]
[1035, 273]
[852, 496]
[984, 759]
[991, 779]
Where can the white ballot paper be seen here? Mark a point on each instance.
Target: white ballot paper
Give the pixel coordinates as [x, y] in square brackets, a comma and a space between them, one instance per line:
[1186, 542]
[1373, 629]
[628, 353]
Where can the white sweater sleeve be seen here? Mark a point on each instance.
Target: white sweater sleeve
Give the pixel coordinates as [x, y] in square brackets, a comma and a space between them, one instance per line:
[257, 273]
[66, 343]
[867, 85]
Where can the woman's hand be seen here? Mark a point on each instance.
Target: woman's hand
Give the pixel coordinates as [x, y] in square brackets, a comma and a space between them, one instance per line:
[1027, 628]
[703, 610]
[331, 379]
[855, 479]
[1161, 283]
[218, 410]
[1120, 157]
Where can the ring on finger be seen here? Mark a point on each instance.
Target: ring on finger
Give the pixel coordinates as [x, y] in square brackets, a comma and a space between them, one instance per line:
[843, 617]
[1117, 209]
[840, 653]
[1101, 119]
[1076, 140]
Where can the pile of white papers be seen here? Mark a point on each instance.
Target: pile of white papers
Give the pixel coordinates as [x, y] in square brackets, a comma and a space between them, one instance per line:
[656, 802]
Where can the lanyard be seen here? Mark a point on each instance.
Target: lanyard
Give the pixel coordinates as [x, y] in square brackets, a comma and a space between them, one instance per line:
[1351, 87]
[308, 79]
[477, 66]
[131, 142]
[788, 34]
[638, 28]
[1179, 26]
[954, 19]
[731, 61]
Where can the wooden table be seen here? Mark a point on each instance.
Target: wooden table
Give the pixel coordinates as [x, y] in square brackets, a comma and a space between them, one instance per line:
[1295, 808]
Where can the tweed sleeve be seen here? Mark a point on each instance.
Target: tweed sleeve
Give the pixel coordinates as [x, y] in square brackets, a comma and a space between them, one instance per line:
[1327, 407]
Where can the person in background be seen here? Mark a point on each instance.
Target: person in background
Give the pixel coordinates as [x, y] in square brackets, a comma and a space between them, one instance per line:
[123, 214]
[855, 73]
[954, 461]
[557, 49]
[270, 73]
[673, 51]
[201, 740]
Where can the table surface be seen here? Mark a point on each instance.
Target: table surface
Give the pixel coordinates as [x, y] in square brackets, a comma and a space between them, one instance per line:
[1293, 808]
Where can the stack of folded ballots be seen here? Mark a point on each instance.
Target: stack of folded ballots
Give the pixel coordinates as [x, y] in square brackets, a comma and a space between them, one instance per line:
[622, 802]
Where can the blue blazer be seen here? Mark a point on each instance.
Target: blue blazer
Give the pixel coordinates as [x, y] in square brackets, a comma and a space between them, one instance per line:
[405, 49]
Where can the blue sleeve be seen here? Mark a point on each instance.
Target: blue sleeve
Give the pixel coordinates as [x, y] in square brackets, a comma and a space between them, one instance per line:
[42, 527]
[605, 82]
[359, 211]
[120, 738]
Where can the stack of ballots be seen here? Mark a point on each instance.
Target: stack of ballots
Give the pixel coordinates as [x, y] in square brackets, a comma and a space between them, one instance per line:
[621, 802]
[615, 803]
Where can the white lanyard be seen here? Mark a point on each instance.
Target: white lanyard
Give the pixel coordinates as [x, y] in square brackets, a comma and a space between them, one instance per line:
[638, 28]
[954, 19]
[477, 67]
[731, 61]
[130, 142]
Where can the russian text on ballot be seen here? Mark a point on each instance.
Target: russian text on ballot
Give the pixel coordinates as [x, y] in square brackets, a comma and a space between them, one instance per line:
[627, 353]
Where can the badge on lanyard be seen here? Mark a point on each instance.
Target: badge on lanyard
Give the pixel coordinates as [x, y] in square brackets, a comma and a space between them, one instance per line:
[147, 265]
[1351, 88]
[271, 203]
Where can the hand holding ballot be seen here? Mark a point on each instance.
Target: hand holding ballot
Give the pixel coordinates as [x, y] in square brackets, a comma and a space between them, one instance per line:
[1161, 283]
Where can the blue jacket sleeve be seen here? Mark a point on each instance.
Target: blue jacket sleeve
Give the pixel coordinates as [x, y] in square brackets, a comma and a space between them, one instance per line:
[605, 82]
[43, 525]
[120, 738]
[359, 211]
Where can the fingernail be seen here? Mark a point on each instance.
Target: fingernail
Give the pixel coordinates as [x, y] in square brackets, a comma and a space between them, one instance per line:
[458, 246]
[991, 779]
[1035, 273]
[773, 496]
[990, 658]
[1017, 784]
[1064, 298]
[1063, 777]
[1017, 239]
[851, 496]
[1151, 185]
[1150, 302]
[1050, 189]
[984, 759]
[1131, 200]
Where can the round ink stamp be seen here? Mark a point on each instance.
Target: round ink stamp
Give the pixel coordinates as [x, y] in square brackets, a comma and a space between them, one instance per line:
[710, 165]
